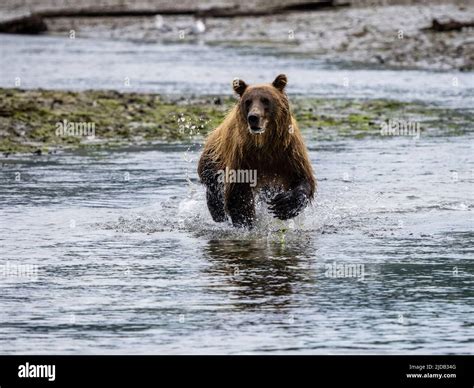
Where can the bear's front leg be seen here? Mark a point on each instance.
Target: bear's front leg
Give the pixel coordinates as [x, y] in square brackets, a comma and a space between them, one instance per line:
[215, 202]
[241, 204]
[210, 176]
[290, 203]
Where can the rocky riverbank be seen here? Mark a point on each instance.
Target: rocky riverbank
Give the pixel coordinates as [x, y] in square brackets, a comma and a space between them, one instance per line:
[434, 35]
[41, 121]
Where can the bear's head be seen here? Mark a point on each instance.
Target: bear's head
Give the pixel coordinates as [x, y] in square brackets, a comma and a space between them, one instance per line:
[263, 108]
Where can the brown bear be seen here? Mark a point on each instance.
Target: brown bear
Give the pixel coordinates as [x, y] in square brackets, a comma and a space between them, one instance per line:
[259, 135]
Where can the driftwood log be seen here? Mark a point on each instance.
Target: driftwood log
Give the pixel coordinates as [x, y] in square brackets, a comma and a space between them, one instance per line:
[450, 25]
[25, 24]
[34, 23]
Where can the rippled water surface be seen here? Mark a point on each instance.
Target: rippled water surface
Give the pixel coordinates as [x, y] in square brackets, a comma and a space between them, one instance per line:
[129, 261]
[62, 63]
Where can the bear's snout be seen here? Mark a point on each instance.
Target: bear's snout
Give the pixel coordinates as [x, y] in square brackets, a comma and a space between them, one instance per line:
[254, 120]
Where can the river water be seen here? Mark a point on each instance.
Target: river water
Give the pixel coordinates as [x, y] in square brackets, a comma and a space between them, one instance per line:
[119, 253]
[78, 64]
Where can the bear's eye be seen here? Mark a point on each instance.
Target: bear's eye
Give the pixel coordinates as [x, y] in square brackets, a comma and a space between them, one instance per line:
[247, 103]
[265, 101]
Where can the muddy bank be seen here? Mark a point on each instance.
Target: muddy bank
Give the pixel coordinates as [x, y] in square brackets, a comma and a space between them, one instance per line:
[40, 121]
[391, 36]
[403, 36]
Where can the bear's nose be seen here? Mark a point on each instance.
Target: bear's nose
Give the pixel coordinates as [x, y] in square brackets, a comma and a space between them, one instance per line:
[253, 120]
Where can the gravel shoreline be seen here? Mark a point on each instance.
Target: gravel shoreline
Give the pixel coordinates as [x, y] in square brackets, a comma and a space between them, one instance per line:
[389, 36]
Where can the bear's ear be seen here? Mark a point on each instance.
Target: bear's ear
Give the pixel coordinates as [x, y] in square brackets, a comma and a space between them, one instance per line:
[239, 86]
[280, 82]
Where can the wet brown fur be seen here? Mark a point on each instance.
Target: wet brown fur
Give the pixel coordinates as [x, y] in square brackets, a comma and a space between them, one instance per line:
[279, 154]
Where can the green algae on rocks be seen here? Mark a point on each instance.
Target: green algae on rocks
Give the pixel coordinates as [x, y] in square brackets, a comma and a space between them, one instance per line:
[43, 120]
